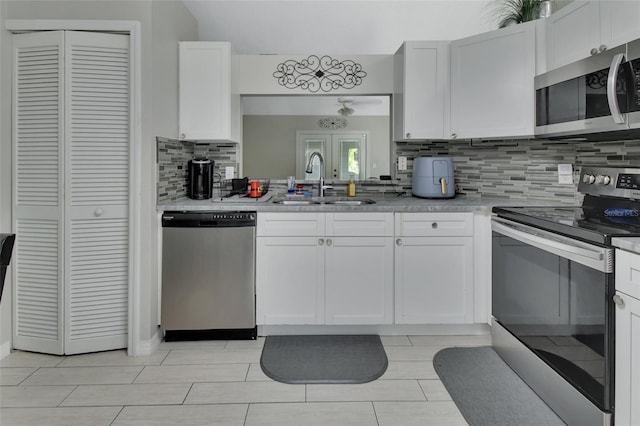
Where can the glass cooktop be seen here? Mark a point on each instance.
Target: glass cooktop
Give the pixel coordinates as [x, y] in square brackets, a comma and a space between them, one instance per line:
[597, 220]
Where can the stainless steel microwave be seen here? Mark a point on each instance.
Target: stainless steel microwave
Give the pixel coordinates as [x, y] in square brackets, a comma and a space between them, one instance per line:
[595, 98]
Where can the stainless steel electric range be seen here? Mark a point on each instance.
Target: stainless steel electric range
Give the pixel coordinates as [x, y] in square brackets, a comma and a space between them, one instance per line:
[553, 288]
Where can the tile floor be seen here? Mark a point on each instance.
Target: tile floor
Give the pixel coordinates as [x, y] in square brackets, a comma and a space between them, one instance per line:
[221, 383]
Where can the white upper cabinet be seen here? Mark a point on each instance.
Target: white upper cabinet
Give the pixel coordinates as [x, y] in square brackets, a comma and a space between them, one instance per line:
[420, 91]
[208, 110]
[585, 28]
[492, 90]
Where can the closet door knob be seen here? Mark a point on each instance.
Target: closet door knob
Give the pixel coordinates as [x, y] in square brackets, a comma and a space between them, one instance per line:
[99, 212]
[618, 301]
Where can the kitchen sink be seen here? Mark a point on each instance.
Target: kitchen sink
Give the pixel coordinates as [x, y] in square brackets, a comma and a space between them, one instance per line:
[302, 201]
[294, 202]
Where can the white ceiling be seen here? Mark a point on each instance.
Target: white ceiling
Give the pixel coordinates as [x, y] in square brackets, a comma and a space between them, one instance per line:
[336, 27]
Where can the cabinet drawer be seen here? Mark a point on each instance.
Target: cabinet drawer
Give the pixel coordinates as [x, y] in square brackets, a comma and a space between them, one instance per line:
[290, 224]
[434, 224]
[359, 224]
[628, 273]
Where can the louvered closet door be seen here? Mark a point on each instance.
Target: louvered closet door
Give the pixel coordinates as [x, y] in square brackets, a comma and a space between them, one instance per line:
[38, 88]
[97, 191]
[71, 133]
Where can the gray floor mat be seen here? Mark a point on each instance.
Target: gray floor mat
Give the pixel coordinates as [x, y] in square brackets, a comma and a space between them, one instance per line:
[324, 358]
[487, 391]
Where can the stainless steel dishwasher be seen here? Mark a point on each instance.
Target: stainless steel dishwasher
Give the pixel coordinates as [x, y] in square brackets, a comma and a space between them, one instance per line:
[208, 275]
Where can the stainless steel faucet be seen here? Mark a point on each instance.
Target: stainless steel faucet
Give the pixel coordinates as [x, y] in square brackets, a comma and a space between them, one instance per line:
[309, 169]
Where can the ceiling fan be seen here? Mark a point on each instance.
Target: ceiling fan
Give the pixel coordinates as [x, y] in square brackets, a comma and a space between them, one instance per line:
[345, 110]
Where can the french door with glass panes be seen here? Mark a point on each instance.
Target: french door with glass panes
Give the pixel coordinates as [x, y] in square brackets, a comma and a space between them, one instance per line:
[344, 154]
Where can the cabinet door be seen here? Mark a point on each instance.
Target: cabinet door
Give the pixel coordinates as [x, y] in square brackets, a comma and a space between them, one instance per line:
[620, 22]
[204, 92]
[572, 32]
[627, 381]
[434, 280]
[421, 77]
[289, 280]
[359, 280]
[492, 90]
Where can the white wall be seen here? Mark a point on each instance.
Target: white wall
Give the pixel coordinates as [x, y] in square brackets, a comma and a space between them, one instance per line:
[163, 24]
[269, 143]
[5, 173]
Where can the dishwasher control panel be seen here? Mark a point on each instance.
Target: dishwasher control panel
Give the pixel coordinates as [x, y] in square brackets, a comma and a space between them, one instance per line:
[186, 219]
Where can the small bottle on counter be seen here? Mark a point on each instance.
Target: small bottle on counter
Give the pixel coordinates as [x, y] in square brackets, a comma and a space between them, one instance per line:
[351, 188]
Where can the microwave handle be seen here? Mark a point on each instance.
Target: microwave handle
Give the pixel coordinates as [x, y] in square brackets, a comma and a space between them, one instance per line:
[612, 81]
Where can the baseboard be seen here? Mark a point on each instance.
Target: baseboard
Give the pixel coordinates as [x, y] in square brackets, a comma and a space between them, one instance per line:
[5, 349]
[384, 330]
[148, 347]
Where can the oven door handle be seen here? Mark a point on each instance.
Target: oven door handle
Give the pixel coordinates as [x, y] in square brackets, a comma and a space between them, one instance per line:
[594, 257]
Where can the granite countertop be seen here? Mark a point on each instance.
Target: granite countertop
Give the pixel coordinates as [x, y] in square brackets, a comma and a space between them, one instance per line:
[629, 244]
[383, 203]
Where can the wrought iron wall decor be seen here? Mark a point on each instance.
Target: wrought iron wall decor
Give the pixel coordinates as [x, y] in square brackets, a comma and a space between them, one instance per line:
[332, 123]
[316, 74]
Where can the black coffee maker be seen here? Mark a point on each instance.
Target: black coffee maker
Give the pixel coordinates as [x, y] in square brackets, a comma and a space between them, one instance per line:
[200, 178]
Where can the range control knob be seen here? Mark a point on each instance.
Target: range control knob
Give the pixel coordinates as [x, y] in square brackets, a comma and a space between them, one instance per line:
[603, 180]
[588, 179]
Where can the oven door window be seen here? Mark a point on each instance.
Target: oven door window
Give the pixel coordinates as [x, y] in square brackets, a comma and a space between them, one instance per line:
[556, 307]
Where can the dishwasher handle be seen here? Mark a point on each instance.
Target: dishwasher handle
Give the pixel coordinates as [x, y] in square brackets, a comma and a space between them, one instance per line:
[208, 219]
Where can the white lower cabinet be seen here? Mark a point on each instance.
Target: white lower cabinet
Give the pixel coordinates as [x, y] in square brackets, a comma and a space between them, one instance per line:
[627, 371]
[434, 268]
[324, 268]
[359, 268]
[289, 280]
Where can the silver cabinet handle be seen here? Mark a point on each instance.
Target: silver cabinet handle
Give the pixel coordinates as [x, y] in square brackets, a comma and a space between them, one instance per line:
[434, 225]
[99, 212]
[408, 135]
[602, 48]
[594, 51]
[329, 241]
[320, 241]
[399, 242]
[618, 301]
[454, 135]
[183, 136]
[612, 81]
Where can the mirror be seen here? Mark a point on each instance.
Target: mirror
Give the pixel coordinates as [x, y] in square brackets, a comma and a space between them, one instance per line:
[272, 126]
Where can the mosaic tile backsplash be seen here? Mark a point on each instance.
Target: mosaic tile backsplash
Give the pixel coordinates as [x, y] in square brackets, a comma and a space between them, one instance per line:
[173, 156]
[523, 169]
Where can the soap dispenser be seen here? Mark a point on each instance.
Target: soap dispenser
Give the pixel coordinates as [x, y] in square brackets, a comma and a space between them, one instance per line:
[351, 188]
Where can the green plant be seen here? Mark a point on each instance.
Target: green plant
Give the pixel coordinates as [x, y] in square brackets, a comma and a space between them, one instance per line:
[516, 11]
